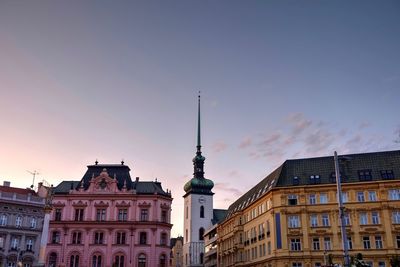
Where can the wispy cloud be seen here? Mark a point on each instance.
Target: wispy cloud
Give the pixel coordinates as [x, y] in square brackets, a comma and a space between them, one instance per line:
[219, 146]
[227, 188]
[246, 142]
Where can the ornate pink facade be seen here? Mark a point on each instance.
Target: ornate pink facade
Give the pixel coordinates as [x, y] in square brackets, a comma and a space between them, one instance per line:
[108, 220]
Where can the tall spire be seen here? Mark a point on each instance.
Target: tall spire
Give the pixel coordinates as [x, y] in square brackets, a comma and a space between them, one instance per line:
[198, 161]
[198, 127]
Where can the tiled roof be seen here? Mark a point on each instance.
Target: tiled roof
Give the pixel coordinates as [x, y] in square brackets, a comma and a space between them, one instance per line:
[65, 186]
[21, 191]
[322, 167]
[218, 215]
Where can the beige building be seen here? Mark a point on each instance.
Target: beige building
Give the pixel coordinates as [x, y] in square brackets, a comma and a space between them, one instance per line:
[290, 218]
[176, 257]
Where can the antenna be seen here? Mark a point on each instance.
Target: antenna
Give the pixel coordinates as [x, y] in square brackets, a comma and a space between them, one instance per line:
[34, 173]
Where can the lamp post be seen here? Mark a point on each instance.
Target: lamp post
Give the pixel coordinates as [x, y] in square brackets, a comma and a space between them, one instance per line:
[341, 213]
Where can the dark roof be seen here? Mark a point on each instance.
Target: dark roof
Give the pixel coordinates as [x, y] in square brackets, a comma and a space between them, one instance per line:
[350, 165]
[22, 191]
[218, 215]
[174, 239]
[121, 173]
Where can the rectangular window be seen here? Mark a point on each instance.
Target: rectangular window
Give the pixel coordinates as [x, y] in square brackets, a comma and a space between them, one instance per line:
[33, 223]
[79, 215]
[312, 199]
[381, 264]
[121, 238]
[365, 175]
[396, 217]
[164, 217]
[57, 215]
[122, 215]
[98, 237]
[349, 243]
[3, 220]
[55, 237]
[315, 243]
[29, 244]
[269, 247]
[372, 196]
[292, 200]
[2, 241]
[101, 215]
[360, 196]
[14, 243]
[378, 242]
[294, 221]
[325, 220]
[387, 174]
[18, 221]
[363, 218]
[76, 237]
[398, 241]
[346, 218]
[323, 198]
[366, 242]
[144, 215]
[327, 243]
[375, 217]
[295, 244]
[143, 238]
[314, 220]
[345, 197]
[394, 194]
[297, 264]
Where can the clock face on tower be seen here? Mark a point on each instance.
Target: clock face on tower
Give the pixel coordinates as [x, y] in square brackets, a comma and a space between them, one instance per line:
[202, 200]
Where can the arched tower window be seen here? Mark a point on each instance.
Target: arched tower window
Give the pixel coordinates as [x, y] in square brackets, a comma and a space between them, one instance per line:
[201, 211]
[201, 233]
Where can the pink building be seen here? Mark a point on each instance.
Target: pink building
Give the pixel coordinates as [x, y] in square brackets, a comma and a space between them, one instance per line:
[108, 220]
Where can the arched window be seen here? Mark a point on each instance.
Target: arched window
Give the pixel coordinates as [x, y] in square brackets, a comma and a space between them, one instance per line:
[119, 261]
[201, 233]
[142, 260]
[201, 211]
[201, 258]
[96, 261]
[74, 260]
[162, 262]
[53, 259]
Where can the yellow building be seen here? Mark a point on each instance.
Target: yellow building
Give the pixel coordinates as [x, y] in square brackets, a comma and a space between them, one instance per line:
[290, 218]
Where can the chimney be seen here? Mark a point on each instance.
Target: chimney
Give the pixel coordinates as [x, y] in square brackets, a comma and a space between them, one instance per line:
[7, 183]
[137, 179]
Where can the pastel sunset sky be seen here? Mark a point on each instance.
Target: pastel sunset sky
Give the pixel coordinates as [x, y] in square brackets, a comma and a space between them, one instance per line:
[112, 80]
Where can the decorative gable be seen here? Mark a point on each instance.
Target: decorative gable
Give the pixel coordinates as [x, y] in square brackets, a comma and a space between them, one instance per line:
[103, 183]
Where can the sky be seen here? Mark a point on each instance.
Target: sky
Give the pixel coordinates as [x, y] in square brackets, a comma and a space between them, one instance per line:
[113, 80]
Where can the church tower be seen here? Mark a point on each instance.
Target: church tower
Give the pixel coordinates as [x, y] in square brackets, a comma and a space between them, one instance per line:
[198, 208]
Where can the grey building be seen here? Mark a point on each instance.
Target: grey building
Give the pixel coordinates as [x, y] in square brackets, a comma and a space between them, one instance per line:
[21, 220]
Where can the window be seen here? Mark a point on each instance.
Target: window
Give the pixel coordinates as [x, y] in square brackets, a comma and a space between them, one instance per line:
[187, 212]
[325, 220]
[53, 259]
[163, 239]
[387, 174]
[121, 238]
[295, 244]
[96, 261]
[57, 215]
[365, 175]
[381, 264]
[394, 194]
[162, 260]
[18, 221]
[375, 217]
[3, 220]
[398, 241]
[292, 200]
[315, 243]
[79, 215]
[144, 215]
[55, 237]
[122, 215]
[312, 199]
[297, 264]
[201, 233]
[396, 217]
[98, 237]
[366, 242]
[372, 196]
[143, 238]
[2, 240]
[296, 180]
[360, 197]
[201, 211]
[142, 260]
[100, 215]
[317, 264]
[327, 243]
[323, 198]
[378, 242]
[29, 244]
[349, 243]
[314, 220]
[14, 243]
[346, 218]
[315, 179]
[164, 217]
[294, 221]
[269, 248]
[363, 218]
[33, 223]
[76, 237]
[74, 260]
[119, 261]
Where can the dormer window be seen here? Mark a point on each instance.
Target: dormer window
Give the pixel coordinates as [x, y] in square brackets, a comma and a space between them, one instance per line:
[315, 179]
[292, 200]
[387, 174]
[296, 180]
[365, 175]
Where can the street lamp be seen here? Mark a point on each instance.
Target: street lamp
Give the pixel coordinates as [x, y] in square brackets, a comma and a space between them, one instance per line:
[341, 213]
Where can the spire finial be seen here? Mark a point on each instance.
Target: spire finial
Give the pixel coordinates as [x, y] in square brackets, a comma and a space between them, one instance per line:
[198, 127]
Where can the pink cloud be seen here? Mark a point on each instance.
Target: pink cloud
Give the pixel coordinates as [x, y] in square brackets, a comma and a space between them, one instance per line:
[245, 143]
[219, 146]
